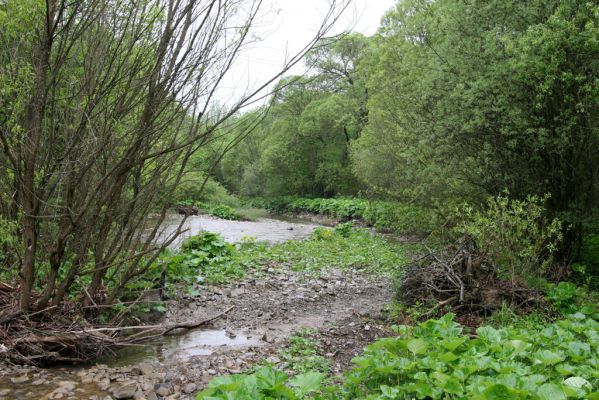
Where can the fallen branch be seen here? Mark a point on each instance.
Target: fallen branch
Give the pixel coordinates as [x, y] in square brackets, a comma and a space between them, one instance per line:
[196, 324]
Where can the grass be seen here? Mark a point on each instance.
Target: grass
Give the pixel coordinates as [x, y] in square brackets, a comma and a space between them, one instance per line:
[329, 249]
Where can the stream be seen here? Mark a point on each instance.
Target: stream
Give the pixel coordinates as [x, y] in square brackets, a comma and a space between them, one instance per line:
[274, 229]
[61, 382]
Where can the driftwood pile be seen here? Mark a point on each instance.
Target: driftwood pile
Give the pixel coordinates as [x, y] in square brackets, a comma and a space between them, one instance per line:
[64, 335]
[186, 210]
[463, 280]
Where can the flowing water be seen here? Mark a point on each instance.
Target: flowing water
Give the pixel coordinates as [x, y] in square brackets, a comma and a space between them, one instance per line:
[275, 229]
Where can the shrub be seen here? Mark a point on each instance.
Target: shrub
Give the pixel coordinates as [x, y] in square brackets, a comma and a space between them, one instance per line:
[212, 193]
[224, 212]
[383, 215]
[513, 235]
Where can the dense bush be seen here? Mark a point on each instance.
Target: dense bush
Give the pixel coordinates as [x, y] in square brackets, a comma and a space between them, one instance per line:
[383, 215]
[514, 235]
[203, 258]
[224, 212]
[192, 188]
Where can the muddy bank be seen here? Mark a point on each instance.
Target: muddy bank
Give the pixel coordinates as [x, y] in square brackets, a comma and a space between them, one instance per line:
[268, 306]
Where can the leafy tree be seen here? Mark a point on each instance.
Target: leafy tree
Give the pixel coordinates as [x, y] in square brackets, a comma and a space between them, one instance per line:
[470, 98]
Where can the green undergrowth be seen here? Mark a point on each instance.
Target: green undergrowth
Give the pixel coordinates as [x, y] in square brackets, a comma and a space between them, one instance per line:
[383, 215]
[339, 248]
[207, 258]
[301, 355]
[439, 359]
[225, 211]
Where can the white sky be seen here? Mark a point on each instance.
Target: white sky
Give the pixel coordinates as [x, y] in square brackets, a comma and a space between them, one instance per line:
[286, 27]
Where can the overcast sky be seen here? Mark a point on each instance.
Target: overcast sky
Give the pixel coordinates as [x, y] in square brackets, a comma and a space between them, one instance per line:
[286, 26]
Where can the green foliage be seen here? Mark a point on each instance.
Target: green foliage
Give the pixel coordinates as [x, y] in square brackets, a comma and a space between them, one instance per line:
[385, 216]
[468, 98]
[207, 258]
[10, 245]
[265, 383]
[513, 234]
[224, 212]
[203, 258]
[567, 298]
[436, 360]
[300, 355]
[328, 249]
[586, 270]
[192, 188]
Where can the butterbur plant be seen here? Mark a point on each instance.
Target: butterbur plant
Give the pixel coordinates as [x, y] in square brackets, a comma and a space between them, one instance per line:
[436, 360]
[265, 383]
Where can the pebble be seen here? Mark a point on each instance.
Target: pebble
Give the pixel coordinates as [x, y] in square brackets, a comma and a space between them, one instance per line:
[20, 379]
[190, 388]
[125, 390]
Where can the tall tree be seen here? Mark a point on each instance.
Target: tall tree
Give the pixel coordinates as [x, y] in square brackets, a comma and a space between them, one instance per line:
[108, 100]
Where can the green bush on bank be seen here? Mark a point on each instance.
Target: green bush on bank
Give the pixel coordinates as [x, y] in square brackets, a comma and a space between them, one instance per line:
[383, 215]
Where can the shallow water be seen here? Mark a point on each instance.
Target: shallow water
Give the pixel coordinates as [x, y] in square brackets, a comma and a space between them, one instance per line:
[182, 347]
[274, 229]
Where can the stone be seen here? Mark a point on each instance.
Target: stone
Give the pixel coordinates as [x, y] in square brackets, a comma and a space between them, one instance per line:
[163, 391]
[190, 388]
[20, 379]
[69, 386]
[145, 368]
[125, 390]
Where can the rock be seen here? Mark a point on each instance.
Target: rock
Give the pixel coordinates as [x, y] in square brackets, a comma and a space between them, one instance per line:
[139, 395]
[237, 292]
[273, 360]
[211, 372]
[145, 368]
[69, 386]
[367, 327]
[20, 379]
[190, 388]
[163, 391]
[125, 390]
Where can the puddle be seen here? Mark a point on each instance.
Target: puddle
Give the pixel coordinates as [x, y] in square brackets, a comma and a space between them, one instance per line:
[182, 348]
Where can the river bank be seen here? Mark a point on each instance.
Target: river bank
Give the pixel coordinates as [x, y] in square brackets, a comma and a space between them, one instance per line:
[256, 316]
[343, 308]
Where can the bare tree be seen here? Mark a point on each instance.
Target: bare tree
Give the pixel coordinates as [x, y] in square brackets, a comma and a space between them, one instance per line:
[110, 98]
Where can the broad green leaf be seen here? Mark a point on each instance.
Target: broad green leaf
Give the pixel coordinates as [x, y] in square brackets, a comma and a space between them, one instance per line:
[489, 334]
[547, 357]
[497, 392]
[417, 346]
[551, 391]
[578, 383]
[306, 383]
